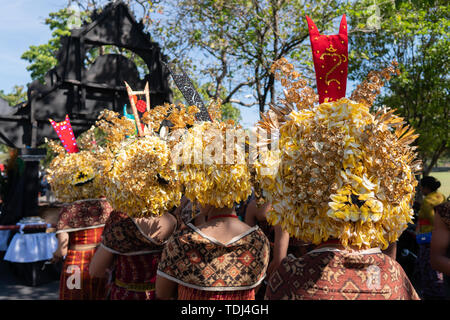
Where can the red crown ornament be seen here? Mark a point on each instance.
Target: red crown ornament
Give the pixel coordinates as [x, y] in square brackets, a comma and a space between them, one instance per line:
[65, 134]
[330, 56]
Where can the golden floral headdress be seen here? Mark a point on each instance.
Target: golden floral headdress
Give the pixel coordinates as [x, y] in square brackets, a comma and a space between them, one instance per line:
[140, 178]
[73, 175]
[210, 173]
[340, 171]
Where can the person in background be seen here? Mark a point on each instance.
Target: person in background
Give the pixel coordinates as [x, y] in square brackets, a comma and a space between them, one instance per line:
[440, 244]
[432, 197]
[74, 176]
[431, 282]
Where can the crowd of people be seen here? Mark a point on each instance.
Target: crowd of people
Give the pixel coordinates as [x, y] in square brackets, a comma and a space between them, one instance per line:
[316, 217]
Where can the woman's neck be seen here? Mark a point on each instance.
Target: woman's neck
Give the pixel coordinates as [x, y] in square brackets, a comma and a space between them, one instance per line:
[213, 212]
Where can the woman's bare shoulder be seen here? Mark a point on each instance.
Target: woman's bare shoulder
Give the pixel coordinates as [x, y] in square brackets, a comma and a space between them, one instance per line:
[157, 228]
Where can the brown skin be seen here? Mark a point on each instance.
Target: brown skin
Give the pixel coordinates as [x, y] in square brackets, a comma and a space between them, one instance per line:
[157, 228]
[222, 229]
[100, 263]
[425, 191]
[440, 241]
[391, 251]
[255, 214]
[280, 249]
[63, 245]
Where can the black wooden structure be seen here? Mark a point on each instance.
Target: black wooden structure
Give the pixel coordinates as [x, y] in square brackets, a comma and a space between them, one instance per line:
[82, 91]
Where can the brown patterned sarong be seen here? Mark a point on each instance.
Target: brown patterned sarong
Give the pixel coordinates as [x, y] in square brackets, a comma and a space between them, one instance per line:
[83, 214]
[136, 259]
[197, 261]
[338, 275]
[122, 236]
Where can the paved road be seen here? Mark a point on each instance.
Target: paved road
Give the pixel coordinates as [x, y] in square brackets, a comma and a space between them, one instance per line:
[14, 288]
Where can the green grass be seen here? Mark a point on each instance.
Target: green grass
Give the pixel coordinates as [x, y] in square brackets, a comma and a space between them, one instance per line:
[444, 178]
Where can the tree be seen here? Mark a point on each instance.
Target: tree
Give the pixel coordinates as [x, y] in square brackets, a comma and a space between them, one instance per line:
[416, 34]
[42, 57]
[233, 43]
[18, 95]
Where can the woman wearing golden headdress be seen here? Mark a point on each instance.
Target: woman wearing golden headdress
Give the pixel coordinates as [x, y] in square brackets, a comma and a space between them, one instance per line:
[223, 258]
[341, 179]
[142, 187]
[73, 176]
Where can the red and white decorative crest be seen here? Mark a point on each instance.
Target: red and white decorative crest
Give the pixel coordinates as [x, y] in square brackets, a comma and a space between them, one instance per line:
[65, 134]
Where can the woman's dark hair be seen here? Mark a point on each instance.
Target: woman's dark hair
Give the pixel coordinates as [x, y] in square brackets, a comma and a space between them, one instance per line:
[430, 182]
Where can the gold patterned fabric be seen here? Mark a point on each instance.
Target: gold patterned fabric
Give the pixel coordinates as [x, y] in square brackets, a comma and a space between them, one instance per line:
[200, 262]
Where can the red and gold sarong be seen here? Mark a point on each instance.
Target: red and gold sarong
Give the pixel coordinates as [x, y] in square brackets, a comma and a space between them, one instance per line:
[83, 220]
[136, 258]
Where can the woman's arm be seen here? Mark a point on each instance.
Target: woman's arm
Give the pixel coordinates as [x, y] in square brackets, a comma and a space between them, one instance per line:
[440, 241]
[100, 262]
[165, 289]
[63, 245]
[280, 249]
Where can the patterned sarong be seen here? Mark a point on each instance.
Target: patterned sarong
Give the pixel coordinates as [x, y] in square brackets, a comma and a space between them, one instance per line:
[196, 261]
[338, 275]
[136, 259]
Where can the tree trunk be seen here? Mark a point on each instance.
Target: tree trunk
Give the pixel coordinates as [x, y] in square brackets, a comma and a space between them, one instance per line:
[435, 158]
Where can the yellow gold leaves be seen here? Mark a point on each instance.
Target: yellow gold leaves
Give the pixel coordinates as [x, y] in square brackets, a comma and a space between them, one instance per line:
[141, 180]
[211, 174]
[55, 146]
[367, 91]
[296, 91]
[115, 128]
[342, 173]
[63, 176]
[155, 116]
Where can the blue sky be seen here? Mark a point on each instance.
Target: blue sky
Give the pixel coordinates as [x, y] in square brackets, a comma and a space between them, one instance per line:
[22, 25]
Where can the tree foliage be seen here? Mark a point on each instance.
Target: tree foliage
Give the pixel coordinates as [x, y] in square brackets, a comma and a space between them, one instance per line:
[42, 57]
[16, 96]
[416, 34]
[233, 43]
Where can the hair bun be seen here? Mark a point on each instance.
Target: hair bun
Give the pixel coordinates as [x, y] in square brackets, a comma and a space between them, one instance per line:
[430, 182]
[437, 184]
